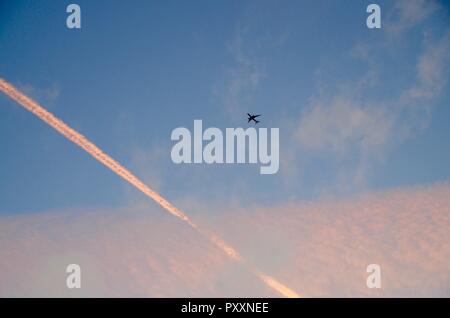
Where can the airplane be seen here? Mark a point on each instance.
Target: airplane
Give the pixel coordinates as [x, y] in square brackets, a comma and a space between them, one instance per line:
[253, 117]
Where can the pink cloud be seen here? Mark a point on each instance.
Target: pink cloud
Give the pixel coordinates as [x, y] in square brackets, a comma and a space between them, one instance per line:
[319, 248]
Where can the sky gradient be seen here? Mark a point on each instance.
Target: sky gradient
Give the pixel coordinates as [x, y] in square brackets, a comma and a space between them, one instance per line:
[364, 139]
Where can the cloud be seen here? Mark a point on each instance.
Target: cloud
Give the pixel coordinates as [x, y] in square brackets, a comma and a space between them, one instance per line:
[354, 123]
[321, 248]
[432, 70]
[349, 120]
[343, 123]
[135, 251]
[243, 78]
[48, 95]
[149, 165]
[408, 13]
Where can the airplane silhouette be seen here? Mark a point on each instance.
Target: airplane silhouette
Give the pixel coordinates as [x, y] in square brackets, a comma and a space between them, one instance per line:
[253, 117]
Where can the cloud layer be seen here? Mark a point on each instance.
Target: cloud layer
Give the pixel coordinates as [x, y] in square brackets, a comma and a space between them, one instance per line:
[320, 248]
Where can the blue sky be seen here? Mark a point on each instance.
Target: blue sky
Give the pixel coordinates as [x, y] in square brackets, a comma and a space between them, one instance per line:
[134, 73]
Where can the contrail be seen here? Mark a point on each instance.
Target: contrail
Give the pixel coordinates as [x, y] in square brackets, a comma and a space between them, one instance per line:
[98, 154]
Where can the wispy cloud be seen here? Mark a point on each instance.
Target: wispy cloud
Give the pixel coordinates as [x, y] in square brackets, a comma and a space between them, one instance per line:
[352, 122]
[408, 13]
[348, 120]
[342, 123]
[432, 70]
[48, 95]
[243, 77]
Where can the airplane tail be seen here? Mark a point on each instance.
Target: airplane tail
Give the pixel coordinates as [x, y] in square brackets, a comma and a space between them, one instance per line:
[256, 121]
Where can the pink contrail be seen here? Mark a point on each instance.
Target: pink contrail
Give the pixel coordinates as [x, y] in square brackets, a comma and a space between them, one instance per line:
[98, 154]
